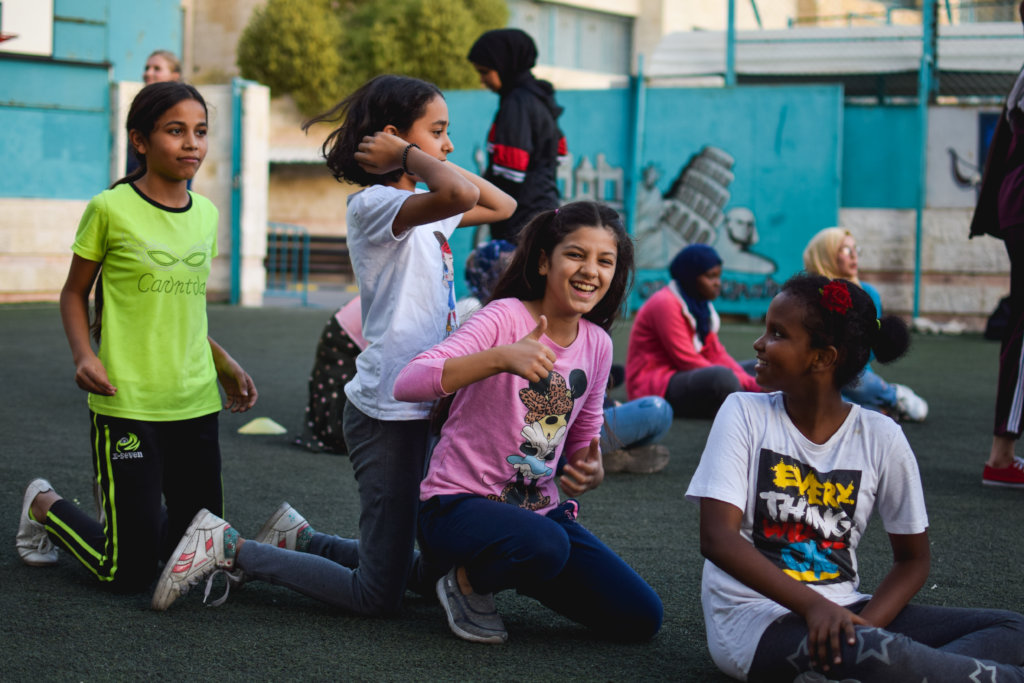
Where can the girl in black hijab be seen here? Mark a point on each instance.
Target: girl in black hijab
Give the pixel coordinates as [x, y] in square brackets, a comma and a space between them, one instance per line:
[524, 143]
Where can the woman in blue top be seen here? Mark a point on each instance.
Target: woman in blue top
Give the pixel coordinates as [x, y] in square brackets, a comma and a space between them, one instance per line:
[833, 253]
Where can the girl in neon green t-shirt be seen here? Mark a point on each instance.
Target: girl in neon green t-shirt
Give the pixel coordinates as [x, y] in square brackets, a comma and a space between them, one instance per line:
[152, 383]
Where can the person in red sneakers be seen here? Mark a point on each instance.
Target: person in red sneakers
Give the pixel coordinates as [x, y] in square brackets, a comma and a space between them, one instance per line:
[1000, 213]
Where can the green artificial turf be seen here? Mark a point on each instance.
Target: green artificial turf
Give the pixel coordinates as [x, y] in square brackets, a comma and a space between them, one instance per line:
[57, 624]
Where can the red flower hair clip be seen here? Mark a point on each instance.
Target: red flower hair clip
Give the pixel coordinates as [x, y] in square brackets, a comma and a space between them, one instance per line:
[836, 297]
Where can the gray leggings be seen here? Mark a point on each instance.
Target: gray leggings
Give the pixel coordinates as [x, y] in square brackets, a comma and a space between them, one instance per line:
[367, 576]
[946, 644]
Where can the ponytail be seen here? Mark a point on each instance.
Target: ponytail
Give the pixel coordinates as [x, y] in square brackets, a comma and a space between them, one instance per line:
[137, 174]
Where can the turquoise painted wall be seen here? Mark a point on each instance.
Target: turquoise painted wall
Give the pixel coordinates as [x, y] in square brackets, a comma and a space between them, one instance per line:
[139, 27]
[786, 144]
[881, 158]
[55, 113]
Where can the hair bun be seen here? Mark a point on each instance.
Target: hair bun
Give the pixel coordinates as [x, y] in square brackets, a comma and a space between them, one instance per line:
[892, 339]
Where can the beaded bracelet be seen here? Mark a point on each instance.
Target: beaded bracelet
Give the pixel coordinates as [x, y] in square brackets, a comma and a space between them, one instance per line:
[405, 157]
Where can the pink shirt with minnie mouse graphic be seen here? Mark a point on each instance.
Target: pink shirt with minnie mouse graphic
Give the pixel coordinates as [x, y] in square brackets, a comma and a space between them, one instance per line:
[505, 434]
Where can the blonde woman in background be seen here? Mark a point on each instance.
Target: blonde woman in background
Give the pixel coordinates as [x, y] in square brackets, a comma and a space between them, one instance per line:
[833, 253]
[162, 65]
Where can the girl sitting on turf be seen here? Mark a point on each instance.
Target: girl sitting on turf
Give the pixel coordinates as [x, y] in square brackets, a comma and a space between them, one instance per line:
[674, 350]
[152, 385]
[530, 371]
[786, 485]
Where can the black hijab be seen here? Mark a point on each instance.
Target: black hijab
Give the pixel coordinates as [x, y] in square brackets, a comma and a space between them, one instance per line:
[689, 263]
[509, 51]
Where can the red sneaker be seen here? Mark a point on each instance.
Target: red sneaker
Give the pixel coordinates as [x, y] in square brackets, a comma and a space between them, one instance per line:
[1011, 477]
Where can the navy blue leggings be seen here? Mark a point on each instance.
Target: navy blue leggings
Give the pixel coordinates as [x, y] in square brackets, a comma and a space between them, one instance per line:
[551, 558]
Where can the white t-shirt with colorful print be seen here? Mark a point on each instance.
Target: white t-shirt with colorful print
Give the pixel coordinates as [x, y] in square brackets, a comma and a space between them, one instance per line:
[406, 288]
[805, 507]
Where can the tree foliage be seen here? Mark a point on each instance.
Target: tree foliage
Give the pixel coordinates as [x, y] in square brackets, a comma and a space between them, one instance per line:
[320, 50]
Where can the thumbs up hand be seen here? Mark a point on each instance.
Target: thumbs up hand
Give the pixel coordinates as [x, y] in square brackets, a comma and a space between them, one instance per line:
[529, 357]
[583, 470]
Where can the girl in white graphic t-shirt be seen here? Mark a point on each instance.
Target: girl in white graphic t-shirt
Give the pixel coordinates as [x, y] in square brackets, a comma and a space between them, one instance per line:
[393, 134]
[786, 485]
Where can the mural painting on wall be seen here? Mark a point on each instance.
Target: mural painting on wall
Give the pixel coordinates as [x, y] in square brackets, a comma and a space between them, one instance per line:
[958, 141]
[696, 209]
[965, 174]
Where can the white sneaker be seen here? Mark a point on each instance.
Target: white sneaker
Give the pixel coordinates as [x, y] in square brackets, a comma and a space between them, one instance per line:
[199, 555]
[910, 406]
[34, 546]
[284, 528]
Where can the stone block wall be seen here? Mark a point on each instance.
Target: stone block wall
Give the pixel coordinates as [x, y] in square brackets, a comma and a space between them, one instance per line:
[961, 279]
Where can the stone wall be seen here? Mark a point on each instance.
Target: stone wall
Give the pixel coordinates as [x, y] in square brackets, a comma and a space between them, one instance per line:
[961, 279]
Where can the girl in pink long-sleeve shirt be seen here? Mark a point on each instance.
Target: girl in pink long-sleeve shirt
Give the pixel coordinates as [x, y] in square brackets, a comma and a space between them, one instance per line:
[674, 350]
[530, 370]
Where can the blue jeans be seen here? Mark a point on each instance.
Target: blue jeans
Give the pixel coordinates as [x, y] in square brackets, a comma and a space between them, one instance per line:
[551, 558]
[367, 576]
[636, 423]
[921, 643]
[871, 391]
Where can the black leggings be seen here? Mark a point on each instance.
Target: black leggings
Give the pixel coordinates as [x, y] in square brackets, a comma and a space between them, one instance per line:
[1009, 420]
[134, 463]
[701, 392]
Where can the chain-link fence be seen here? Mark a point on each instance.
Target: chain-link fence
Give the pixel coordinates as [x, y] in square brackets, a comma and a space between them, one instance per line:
[873, 49]
[875, 52]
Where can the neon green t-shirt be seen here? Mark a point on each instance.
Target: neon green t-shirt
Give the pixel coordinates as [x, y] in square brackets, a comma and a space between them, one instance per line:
[156, 261]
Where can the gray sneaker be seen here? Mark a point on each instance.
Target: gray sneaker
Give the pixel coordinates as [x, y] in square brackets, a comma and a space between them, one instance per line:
[471, 617]
[34, 546]
[909, 406]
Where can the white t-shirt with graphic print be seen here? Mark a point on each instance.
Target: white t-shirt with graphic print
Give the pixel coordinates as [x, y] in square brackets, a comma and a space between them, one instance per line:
[406, 292]
[805, 507]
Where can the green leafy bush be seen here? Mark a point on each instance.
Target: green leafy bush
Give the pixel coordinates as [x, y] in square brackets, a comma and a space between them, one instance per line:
[318, 51]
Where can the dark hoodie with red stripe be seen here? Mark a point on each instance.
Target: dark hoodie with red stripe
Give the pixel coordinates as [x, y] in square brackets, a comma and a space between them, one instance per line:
[524, 143]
